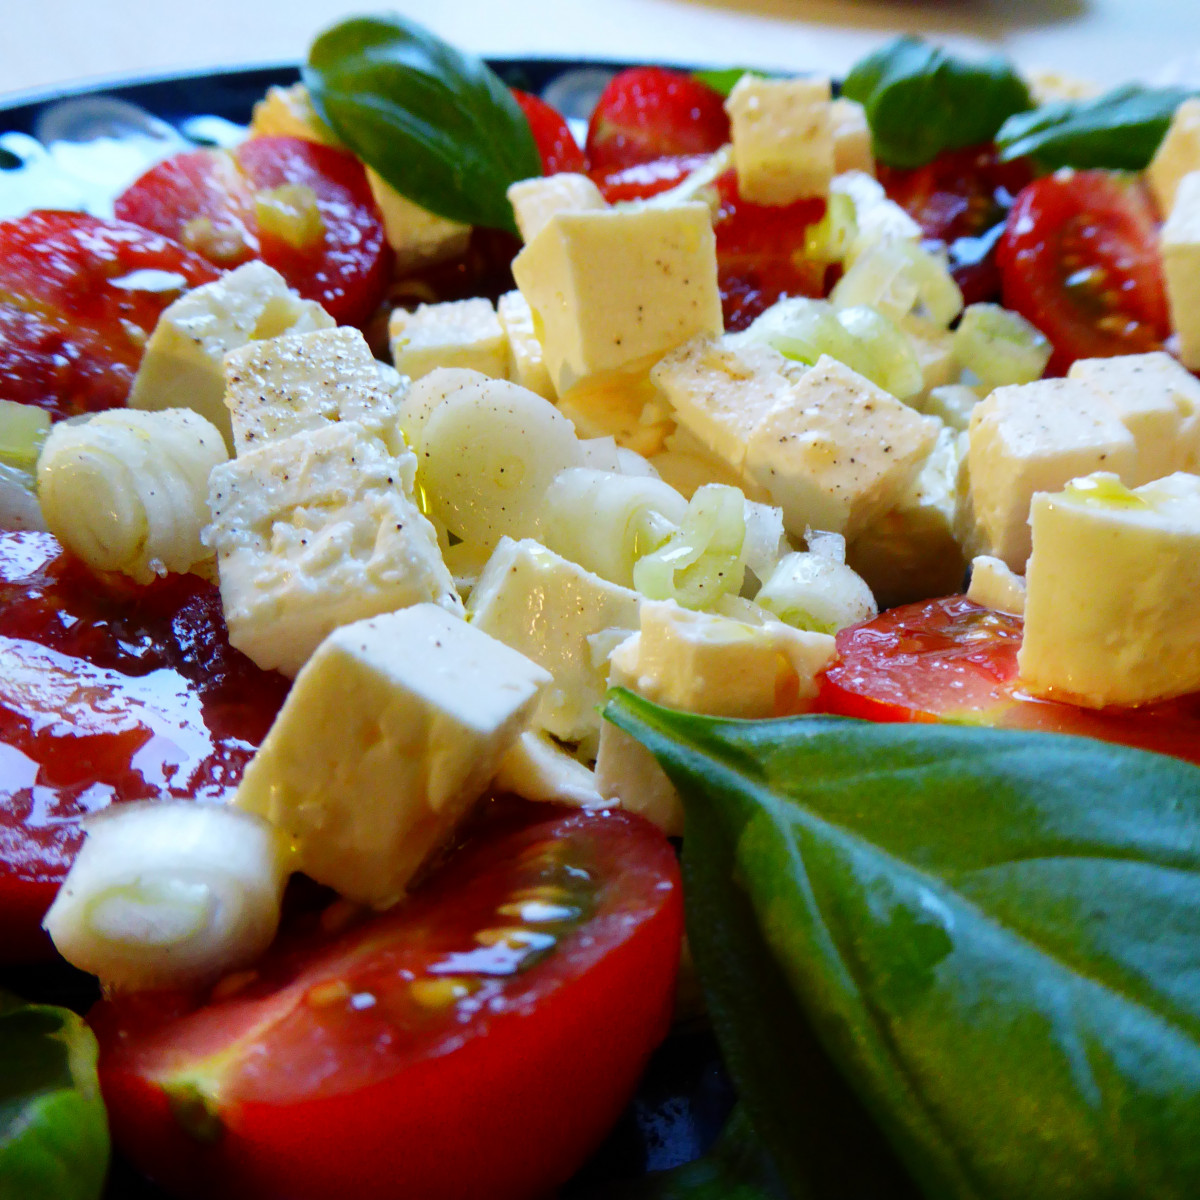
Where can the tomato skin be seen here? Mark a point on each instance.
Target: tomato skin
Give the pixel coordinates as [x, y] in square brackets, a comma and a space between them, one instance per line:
[502, 1097]
[555, 141]
[1079, 258]
[952, 660]
[78, 298]
[643, 180]
[206, 200]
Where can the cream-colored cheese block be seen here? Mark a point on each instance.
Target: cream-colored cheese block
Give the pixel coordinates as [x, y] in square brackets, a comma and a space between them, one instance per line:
[1034, 437]
[1112, 612]
[952, 404]
[455, 333]
[306, 381]
[623, 405]
[527, 363]
[289, 112]
[783, 140]
[934, 348]
[613, 289]
[391, 731]
[183, 366]
[315, 531]
[552, 610]
[535, 201]
[1158, 401]
[837, 452]
[877, 218]
[538, 768]
[1178, 155]
[995, 586]
[1180, 245]
[417, 236]
[851, 137]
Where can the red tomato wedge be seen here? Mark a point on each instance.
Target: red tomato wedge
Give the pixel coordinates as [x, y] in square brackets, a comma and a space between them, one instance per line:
[108, 692]
[643, 180]
[555, 141]
[476, 1041]
[951, 660]
[78, 298]
[303, 208]
[1080, 259]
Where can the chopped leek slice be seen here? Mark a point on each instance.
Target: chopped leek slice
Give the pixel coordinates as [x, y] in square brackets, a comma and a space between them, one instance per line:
[1000, 346]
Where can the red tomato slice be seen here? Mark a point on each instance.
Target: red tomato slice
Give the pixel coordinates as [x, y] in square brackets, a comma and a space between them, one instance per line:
[555, 141]
[476, 1041]
[647, 113]
[643, 180]
[327, 240]
[951, 660]
[1080, 259]
[107, 693]
[78, 298]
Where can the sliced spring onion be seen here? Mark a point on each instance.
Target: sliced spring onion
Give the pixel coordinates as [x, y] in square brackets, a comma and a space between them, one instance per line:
[814, 592]
[830, 239]
[901, 279]
[23, 430]
[999, 346]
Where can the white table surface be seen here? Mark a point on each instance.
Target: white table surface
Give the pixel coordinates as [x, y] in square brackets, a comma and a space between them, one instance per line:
[45, 43]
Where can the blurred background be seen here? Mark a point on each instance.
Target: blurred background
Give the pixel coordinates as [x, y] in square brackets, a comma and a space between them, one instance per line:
[53, 42]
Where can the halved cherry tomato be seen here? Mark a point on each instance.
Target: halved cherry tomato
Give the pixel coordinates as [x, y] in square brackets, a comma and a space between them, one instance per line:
[647, 113]
[108, 692]
[555, 141]
[78, 298]
[303, 208]
[643, 180]
[1080, 259]
[476, 1041]
[951, 660]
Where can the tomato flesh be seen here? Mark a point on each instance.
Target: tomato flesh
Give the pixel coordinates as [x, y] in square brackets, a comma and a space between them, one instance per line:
[477, 1040]
[952, 660]
[108, 692]
[555, 142]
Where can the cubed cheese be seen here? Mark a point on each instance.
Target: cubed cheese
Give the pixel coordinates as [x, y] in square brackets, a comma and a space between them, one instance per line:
[535, 201]
[623, 405]
[851, 137]
[783, 144]
[391, 731]
[527, 363]
[1033, 437]
[952, 404]
[837, 452]
[995, 586]
[417, 236]
[289, 112]
[876, 218]
[306, 381]
[183, 366]
[934, 348]
[1180, 243]
[551, 611]
[1178, 155]
[538, 768]
[314, 531]
[619, 287]
[456, 333]
[1112, 613]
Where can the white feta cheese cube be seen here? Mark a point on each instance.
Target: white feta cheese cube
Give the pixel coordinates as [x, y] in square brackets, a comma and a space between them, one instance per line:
[527, 363]
[995, 586]
[418, 237]
[952, 404]
[1112, 613]
[933, 346]
[538, 768]
[306, 381]
[392, 730]
[183, 366]
[623, 405]
[456, 333]
[613, 289]
[851, 137]
[1180, 244]
[535, 201]
[837, 452]
[1178, 155]
[1033, 437]
[783, 144]
[314, 531]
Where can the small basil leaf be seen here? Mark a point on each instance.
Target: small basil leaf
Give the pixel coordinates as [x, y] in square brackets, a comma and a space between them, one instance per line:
[437, 124]
[1120, 130]
[53, 1128]
[724, 79]
[993, 934]
[920, 100]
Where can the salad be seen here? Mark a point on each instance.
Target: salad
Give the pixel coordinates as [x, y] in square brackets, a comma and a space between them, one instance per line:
[415, 519]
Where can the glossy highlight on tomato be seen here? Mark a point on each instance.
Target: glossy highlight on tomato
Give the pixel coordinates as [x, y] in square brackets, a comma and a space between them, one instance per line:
[953, 660]
[477, 1040]
[108, 692]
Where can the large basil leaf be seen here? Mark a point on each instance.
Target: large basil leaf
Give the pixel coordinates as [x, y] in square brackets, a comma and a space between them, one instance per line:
[1120, 130]
[994, 934]
[437, 124]
[53, 1128]
[920, 100]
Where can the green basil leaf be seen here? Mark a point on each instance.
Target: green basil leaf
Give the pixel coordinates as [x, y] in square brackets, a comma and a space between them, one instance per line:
[921, 100]
[437, 124]
[993, 934]
[1120, 130]
[724, 79]
[53, 1128]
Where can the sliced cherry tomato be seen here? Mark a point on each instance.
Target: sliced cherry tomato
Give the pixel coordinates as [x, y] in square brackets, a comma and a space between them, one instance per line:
[1080, 259]
[303, 208]
[78, 298]
[555, 141]
[476, 1041]
[108, 692]
[647, 113]
[951, 660]
[643, 180]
